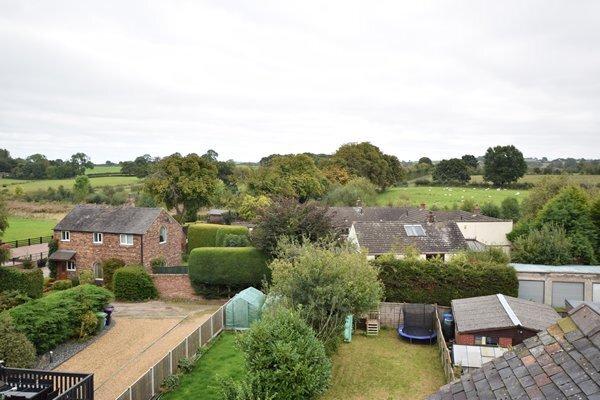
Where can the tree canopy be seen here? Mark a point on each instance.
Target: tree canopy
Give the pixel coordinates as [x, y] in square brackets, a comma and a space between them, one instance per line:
[503, 165]
[452, 170]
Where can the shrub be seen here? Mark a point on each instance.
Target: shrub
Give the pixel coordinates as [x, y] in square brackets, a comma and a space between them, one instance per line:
[211, 235]
[27, 263]
[86, 278]
[15, 349]
[433, 281]
[12, 298]
[284, 358]
[236, 241]
[422, 182]
[62, 284]
[74, 280]
[4, 253]
[511, 209]
[108, 269]
[30, 282]
[157, 263]
[170, 383]
[491, 210]
[547, 245]
[55, 318]
[220, 271]
[89, 325]
[133, 283]
[229, 230]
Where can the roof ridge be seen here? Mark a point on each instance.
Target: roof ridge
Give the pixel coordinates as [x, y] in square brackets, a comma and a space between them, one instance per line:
[508, 309]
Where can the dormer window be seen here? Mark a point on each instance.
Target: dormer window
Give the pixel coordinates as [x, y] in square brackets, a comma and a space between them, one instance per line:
[65, 236]
[97, 238]
[162, 237]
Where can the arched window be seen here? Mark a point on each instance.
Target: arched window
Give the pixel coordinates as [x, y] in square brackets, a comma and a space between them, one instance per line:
[162, 238]
[98, 272]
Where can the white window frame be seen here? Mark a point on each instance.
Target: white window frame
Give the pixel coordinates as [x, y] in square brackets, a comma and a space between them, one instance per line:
[65, 236]
[71, 266]
[97, 235]
[165, 236]
[125, 242]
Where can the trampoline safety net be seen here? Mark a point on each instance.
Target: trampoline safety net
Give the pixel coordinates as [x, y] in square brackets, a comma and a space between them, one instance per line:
[419, 316]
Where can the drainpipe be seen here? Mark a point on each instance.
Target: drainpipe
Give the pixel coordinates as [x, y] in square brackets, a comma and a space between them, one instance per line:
[142, 250]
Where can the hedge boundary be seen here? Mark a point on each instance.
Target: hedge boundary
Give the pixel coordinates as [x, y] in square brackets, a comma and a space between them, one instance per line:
[28, 281]
[205, 235]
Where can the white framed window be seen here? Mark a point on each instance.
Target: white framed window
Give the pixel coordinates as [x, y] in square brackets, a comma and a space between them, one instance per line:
[97, 238]
[71, 266]
[162, 237]
[126, 240]
[65, 236]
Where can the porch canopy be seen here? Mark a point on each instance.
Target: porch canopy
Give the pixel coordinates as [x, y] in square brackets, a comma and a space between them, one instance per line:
[62, 255]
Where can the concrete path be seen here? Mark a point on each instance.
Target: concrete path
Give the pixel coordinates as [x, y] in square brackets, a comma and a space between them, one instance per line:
[27, 250]
[142, 335]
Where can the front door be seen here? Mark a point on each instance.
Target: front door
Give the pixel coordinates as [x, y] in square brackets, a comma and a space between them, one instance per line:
[61, 270]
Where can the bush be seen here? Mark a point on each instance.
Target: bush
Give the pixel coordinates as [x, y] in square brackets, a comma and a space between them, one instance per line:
[547, 245]
[63, 284]
[511, 209]
[491, 210]
[15, 349]
[413, 280]
[55, 318]
[157, 263]
[108, 269]
[422, 182]
[133, 283]
[221, 271]
[12, 298]
[228, 230]
[284, 358]
[30, 282]
[89, 325]
[357, 190]
[236, 241]
[211, 235]
[27, 263]
[86, 278]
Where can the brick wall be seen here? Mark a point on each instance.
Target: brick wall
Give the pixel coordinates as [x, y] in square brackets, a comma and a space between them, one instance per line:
[465, 339]
[174, 286]
[172, 249]
[505, 342]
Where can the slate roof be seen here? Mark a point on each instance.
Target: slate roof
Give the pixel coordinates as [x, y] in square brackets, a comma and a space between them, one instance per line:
[487, 313]
[94, 218]
[345, 216]
[390, 236]
[62, 255]
[562, 362]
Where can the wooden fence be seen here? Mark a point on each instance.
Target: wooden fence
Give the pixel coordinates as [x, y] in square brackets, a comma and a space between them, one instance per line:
[443, 351]
[64, 385]
[149, 384]
[27, 242]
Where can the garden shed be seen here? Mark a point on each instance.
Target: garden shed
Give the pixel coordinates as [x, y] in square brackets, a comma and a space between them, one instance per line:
[244, 308]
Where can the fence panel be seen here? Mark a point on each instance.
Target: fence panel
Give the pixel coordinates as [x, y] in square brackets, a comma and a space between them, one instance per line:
[217, 320]
[193, 343]
[178, 353]
[445, 357]
[125, 396]
[142, 389]
[390, 314]
[206, 332]
[161, 370]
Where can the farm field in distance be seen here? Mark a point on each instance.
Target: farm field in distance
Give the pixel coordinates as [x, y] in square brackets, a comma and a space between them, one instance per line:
[23, 228]
[445, 196]
[43, 184]
[103, 169]
[589, 179]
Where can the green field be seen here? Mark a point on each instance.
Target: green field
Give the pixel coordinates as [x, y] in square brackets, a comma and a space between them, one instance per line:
[589, 179]
[30, 186]
[103, 169]
[222, 360]
[24, 228]
[444, 196]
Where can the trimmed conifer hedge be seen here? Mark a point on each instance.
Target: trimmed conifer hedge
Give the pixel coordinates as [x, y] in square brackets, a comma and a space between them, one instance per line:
[433, 281]
[132, 283]
[211, 235]
[222, 271]
[27, 281]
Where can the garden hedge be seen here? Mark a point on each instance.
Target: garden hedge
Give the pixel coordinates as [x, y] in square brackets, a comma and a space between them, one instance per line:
[433, 281]
[133, 283]
[226, 230]
[27, 281]
[205, 235]
[221, 271]
[56, 318]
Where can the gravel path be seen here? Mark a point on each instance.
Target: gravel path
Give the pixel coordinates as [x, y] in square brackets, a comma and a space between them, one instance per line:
[142, 335]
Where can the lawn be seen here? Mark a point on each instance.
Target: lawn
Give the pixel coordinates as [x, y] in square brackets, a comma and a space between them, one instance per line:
[444, 196]
[103, 169]
[30, 186]
[383, 367]
[23, 228]
[222, 360]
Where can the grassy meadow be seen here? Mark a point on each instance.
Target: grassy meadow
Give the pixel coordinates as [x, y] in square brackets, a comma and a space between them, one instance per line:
[33, 185]
[103, 169]
[588, 179]
[23, 228]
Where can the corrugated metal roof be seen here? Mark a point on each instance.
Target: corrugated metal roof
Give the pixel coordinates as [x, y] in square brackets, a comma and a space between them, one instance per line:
[561, 269]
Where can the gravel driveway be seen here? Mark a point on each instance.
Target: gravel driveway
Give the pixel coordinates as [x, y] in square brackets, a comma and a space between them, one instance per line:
[143, 333]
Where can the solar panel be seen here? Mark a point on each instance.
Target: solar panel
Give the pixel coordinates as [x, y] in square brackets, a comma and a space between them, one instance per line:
[414, 230]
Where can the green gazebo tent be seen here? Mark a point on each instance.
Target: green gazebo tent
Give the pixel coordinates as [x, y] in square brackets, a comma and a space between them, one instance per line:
[244, 308]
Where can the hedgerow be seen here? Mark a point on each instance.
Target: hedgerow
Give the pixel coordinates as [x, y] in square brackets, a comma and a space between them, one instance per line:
[221, 271]
[55, 318]
[433, 281]
[133, 283]
[227, 230]
[29, 282]
[211, 235]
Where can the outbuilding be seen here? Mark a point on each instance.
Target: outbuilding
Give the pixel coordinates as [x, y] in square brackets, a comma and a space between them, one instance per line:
[244, 308]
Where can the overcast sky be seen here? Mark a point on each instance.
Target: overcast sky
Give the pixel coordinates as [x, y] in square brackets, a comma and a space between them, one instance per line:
[117, 79]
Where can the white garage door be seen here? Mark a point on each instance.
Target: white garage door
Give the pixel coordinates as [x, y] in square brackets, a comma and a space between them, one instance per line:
[562, 291]
[596, 292]
[532, 290]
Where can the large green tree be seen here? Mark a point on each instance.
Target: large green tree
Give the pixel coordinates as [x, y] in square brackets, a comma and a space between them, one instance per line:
[183, 183]
[294, 175]
[452, 170]
[503, 165]
[366, 160]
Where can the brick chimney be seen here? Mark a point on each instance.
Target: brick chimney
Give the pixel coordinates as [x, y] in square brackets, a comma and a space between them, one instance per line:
[431, 217]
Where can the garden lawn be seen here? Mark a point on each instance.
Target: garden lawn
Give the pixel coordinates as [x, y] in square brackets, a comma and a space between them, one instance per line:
[222, 360]
[24, 228]
[384, 367]
[445, 196]
[43, 184]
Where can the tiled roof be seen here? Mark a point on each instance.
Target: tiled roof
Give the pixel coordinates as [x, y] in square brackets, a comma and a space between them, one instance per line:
[390, 236]
[487, 312]
[562, 362]
[93, 218]
[345, 216]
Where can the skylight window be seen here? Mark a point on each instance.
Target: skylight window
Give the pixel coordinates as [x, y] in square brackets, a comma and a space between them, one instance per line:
[414, 230]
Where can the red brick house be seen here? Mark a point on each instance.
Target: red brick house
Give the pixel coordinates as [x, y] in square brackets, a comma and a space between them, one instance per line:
[499, 320]
[90, 234]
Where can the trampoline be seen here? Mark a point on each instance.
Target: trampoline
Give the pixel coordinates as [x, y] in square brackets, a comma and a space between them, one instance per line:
[418, 323]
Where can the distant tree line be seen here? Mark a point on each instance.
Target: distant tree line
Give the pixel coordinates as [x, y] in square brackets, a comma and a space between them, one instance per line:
[37, 166]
